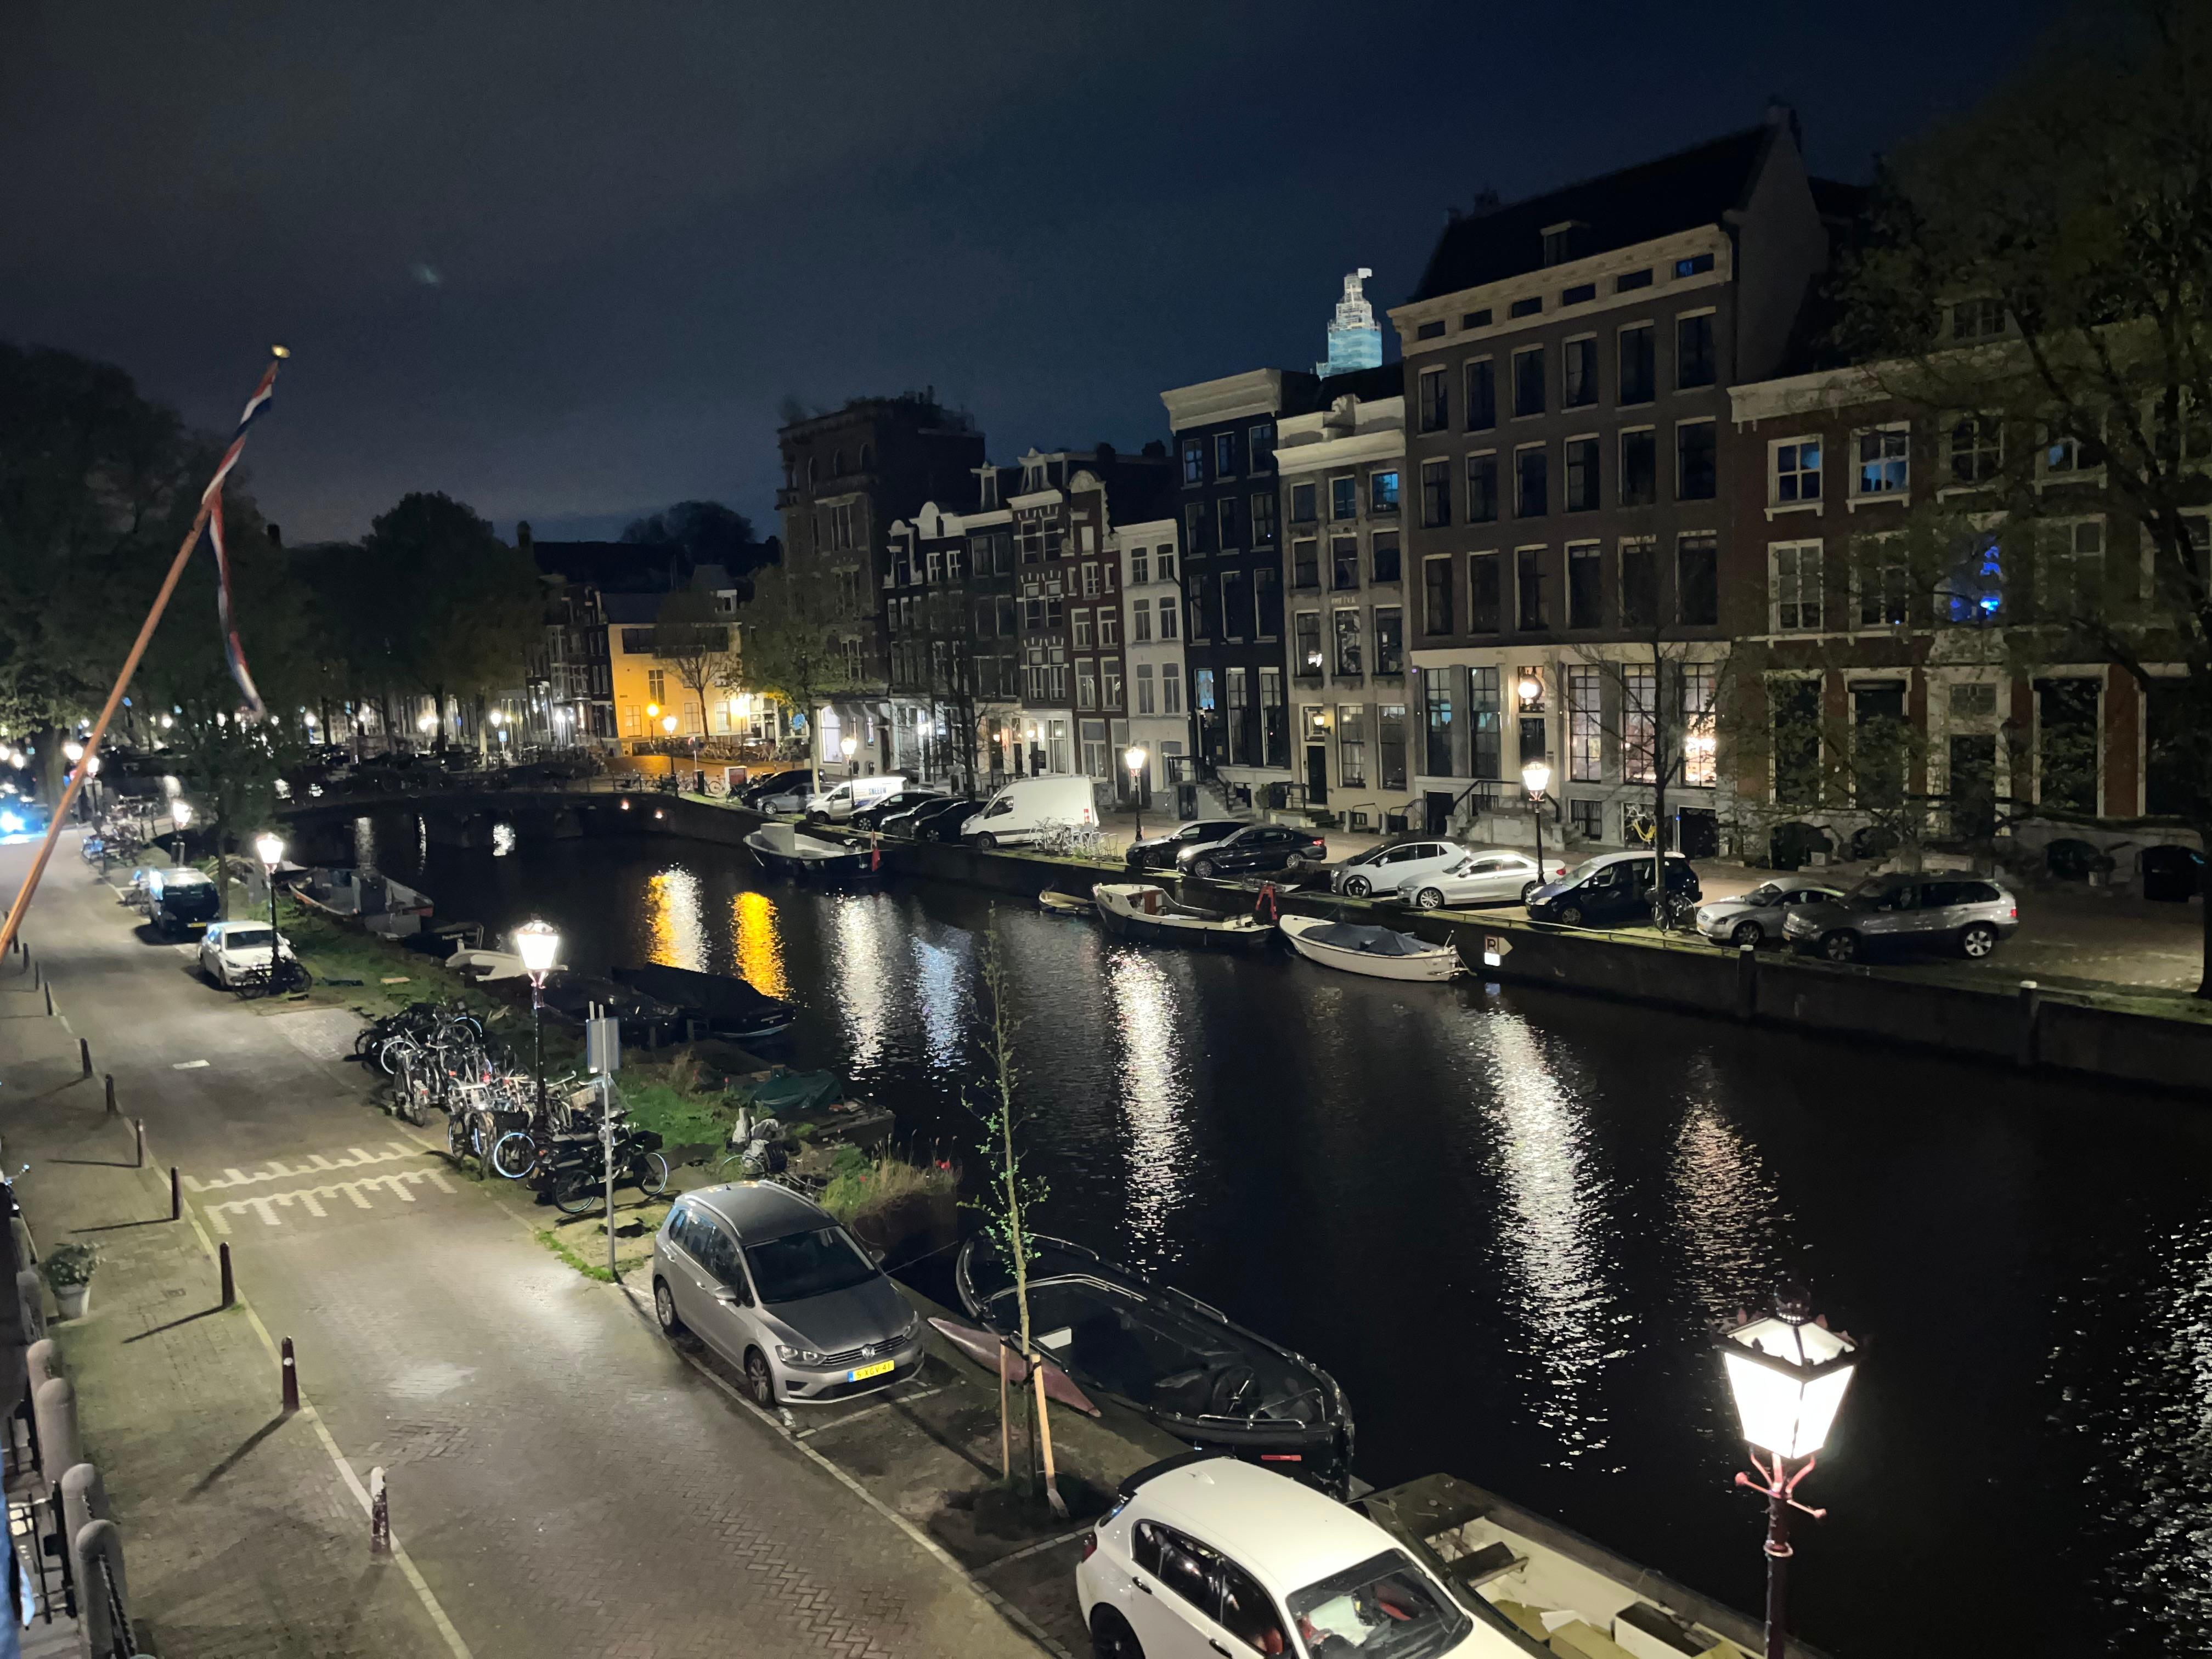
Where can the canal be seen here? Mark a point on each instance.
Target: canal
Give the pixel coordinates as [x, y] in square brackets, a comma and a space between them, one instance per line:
[1507, 1221]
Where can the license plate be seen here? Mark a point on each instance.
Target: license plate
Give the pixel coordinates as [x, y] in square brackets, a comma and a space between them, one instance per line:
[862, 1373]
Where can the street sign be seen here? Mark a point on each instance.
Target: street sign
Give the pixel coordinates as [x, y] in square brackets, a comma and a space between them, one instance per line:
[1496, 947]
[603, 1044]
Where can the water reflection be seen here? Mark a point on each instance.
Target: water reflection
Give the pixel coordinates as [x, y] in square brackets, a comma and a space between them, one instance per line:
[942, 974]
[675, 928]
[503, 840]
[364, 842]
[865, 981]
[758, 943]
[1155, 1100]
[1726, 1206]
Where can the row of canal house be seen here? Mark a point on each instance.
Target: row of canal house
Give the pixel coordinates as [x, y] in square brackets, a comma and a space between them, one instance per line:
[1600, 512]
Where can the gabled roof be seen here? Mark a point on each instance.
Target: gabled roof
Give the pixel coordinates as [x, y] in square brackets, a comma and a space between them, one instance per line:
[1676, 193]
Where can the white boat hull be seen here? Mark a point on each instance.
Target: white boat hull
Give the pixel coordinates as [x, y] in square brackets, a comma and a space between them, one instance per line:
[1438, 962]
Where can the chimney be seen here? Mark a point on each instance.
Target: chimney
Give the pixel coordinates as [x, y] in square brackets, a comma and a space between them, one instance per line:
[276, 535]
[522, 535]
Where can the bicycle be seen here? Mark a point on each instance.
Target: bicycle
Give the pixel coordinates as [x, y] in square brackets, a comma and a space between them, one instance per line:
[578, 1177]
[286, 976]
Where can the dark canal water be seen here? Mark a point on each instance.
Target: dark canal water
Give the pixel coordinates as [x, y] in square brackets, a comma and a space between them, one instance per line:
[1508, 1219]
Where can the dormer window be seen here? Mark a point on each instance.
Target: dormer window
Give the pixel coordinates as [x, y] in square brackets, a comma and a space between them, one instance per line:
[1032, 477]
[1560, 242]
[1977, 319]
[991, 487]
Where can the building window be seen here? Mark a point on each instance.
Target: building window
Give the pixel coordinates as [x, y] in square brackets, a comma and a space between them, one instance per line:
[1973, 590]
[1585, 586]
[1532, 490]
[1087, 684]
[1883, 462]
[1225, 513]
[1976, 449]
[1483, 721]
[1585, 726]
[1582, 475]
[1343, 563]
[656, 685]
[1145, 704]
[1263, 518]
[1694, 475]
[1109, 682]
[1639, 467]
[1195, 525]
[1632, 279]
[1977, 319]
[1348, 632]
[1528, 381]
[1224, 454]
[1275, 718]
[1482, 488]
[1083, 630]
[2071, 584]
[1268, 598]
[2066, 725]
[1306, 643]
[1163, 566]
[1640, 725]
[1884, 582]
[1436, 493]
[1109, 626]
[1586, 818]
[1236, 605]
[1170, 688]
[1534, 616]
[1639, 374]
[1391, 746]
[1795, 586]
[1193, 462]
[1700, 747]
[1580, 295]
[1796, 704]
[1352, 745]
[1485, 594]
[1382, 493]
[1528, 307]
[1169, 612]
[1796, 471]
[1697, 578]
[1343, 499]
[1141, 622]
[1140, 565]
[1302, 503]
[1305, 562]
[1243, 743]
[1389, 640]
[1696, 266]
[1091, 584]
[1436, 596]
[1385, 557]
[1693, 351]
[1482, 394]
[1475, 320]
[1578, 364]
[1435, 401]
[1436, 753]
[1259, 442]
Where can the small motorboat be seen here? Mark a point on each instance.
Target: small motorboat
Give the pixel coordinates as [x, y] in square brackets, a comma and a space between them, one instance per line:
[724, 1004]
[783, 850]
[1377, 952]
[1066, 904]
[1141, 910]
[1183, 1365]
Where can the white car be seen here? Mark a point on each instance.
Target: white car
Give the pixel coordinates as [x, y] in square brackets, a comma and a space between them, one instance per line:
[1480, 879]
[1201, 1553]
[229, 948]
[1386, 869]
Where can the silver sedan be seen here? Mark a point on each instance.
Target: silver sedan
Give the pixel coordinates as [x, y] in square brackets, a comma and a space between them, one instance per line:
[1478, 878]
[1755, 918]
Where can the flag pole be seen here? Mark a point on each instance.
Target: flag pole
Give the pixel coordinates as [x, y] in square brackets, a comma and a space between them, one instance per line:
[84, 767]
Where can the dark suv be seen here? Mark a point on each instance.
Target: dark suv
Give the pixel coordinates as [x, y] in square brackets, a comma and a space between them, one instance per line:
[1612, 887]
[1947, 909]
[1256, 848]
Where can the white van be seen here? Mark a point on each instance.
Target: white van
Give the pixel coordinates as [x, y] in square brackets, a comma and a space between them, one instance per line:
[1027, 806]
[837, 804]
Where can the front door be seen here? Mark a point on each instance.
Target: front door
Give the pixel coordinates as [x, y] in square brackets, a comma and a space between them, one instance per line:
[1973, 784]
[1700, 832]
[1317, 775]
[1437, 807]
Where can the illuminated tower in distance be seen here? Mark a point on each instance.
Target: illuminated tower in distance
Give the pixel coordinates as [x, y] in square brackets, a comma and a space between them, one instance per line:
[1355, 340]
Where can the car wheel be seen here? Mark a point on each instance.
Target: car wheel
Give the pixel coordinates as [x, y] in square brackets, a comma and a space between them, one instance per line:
[1529, 891]
[1842, 945]
[663, 1308]
[759, 1382]
[1111, 1637]
[982, 844]
[1746, 936]
[1979, 940]
[1359, 887]
[1203, 867]
[1570, 916]
[1429, 898]
[818, 817]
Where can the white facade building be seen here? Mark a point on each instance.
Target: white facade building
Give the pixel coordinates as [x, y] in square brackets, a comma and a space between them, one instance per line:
[1152, 623]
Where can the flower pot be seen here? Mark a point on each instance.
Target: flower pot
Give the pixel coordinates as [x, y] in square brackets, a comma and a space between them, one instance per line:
[73, 1299]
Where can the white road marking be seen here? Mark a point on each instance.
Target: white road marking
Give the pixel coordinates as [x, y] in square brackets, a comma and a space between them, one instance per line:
[400, 1184]
[314, 1164]
[187, 1065]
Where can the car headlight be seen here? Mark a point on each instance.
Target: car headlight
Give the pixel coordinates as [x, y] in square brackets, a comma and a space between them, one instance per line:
[792, 1356]
[12, 823]
[912, 1327]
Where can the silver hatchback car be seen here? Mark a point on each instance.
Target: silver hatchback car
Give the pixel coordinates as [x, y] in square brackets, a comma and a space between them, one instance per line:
[1755, 918]
[774, 1285]
[1937, 910]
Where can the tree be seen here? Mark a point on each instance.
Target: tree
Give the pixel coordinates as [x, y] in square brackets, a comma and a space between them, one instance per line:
[791, 645]
[692, 636]
[707, 532]
[2036, 291]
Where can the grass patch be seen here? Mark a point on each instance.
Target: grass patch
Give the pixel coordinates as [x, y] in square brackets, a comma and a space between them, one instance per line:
[559, 1246]
[859, 1184]
[680, 1116]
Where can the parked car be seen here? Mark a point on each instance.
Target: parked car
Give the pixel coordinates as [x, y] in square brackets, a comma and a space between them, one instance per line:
[772, 1282]
[872, 817]
[1386, 868]
[787, 791]
[938, 819]
[178, 900]
[1201, 1546]
[1160, 852]
[1478, 878]
[1755, 918]
[1937, 910]
[841, 802]
[1611, 887]
[229, 950]
[1027, 807]
[1256, 848]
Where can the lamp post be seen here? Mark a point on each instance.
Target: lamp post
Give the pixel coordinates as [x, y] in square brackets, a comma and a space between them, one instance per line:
[180, 815]
[1788, 1372]
[668, 733]
[1536, 779]
[270, 847]
[538, 945]
[73, 752]
[849, 747]
[1134, 757]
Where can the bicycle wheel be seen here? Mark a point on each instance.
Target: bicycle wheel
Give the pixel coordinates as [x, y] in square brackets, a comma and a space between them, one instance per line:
[512, 1154]
[575, 1192]
[457, 1136]
[648, 1173]
[406, 1104]
[392, 1053]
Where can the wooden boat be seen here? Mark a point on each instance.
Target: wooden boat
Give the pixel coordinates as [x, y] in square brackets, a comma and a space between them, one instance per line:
[1377, 952]
[783, 850]
[1141, 910]
[985, 1348]
[1183, 1365]
[1066, 904]
[725, 1004]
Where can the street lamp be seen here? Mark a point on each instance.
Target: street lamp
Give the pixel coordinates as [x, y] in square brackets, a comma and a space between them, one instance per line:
[1133, 758]
[1536, 778]
[668, 732]
[538, 945]
[269, 846]
[849, 747]
[180, 815]
[1787, 1372]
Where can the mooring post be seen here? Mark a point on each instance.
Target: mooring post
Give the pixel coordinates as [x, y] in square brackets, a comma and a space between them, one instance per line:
[291, 1368]
[1747, 982]
[138, 1156]
[84, 1054]
[2031, 1002]
[50, 1001]
[111, 1094]
[379, 1511]
[176, 1196]
[229, 1285]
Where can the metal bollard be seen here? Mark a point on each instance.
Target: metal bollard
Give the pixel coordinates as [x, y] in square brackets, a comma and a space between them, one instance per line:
[84, 1498]
[291, 1367]
[1747, 982]
[138, 1126]
[84, 1054]
[379, 1511]
[111, 1094]
[50, 1000]
[2030, 1002]
[229, 1285]
[176, 1196]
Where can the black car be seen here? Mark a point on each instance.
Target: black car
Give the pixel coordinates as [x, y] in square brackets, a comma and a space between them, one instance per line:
[872, 817]
[1256, 848]
[1611, 887]
[1161, 852]
[776, 783]
[938, 819]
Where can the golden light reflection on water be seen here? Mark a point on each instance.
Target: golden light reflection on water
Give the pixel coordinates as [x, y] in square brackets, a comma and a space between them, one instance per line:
[759, 942]
[1155, 1100]
[673, 921]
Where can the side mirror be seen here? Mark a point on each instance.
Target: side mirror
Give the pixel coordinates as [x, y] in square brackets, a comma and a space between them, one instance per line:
[728, 1298]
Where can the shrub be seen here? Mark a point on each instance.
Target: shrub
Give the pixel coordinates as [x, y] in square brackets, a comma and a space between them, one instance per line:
[860, 1187]
[70, 1265]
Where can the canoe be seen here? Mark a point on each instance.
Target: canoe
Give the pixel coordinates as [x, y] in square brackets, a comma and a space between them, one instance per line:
[1182, 1364]
[1141, 910]
[725, 1004]
[1377, 952]
[782, 850]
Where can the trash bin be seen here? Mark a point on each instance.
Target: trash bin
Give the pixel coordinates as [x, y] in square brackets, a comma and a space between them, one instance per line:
[2172, 875]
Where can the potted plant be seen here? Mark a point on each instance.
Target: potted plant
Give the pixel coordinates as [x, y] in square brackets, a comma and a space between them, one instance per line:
[68, 1271]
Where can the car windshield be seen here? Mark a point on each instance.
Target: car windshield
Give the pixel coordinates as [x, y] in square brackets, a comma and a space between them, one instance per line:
[1763, 894]
[1586, 869]
[246, 938]
[793, 1268]
[1383, 1608]
[1869, 895]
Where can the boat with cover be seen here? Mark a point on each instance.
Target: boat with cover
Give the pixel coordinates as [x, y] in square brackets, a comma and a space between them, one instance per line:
[782, 850]
[1065, 904]
[1141, 910]
[1185, 1366]
[1377, 952]
[726, 1004]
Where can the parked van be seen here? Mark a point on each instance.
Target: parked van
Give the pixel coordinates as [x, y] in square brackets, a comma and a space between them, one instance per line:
[1028, 806]
[837, 803]
[178, 900]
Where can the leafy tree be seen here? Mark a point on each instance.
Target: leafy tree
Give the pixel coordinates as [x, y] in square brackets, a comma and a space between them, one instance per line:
[708, 532]
[692, 636]
[792, 640]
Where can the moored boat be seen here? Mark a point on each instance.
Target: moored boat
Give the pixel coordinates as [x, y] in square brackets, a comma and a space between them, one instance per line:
[782, 850]
[724, 1004]
[1185, 1366]
[1141, 910]
[1377, 952]
[1066, 904]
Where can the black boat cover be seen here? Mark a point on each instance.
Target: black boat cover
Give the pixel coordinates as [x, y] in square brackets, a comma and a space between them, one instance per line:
[1373, 941]
[718, 996]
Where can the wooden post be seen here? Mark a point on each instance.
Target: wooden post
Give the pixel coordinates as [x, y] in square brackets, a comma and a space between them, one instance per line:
[1044, 1436]
[1005, 1414]
[138, 1126]
[111, 1094]
[176, 1196]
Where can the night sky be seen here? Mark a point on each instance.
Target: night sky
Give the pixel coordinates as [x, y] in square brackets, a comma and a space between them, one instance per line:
[566, 262]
